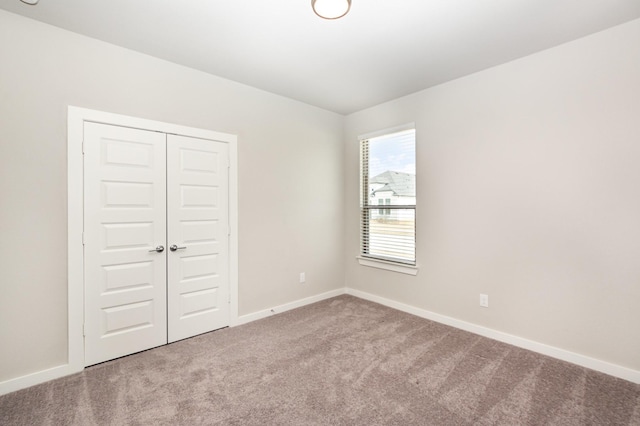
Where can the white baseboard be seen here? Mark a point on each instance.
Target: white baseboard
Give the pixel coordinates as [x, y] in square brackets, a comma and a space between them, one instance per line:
[36, 378]
[564, 355]
[244, 319]
[574, 358]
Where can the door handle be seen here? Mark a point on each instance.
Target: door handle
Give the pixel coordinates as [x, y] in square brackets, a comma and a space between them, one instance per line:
[175, 247]
[158, 249]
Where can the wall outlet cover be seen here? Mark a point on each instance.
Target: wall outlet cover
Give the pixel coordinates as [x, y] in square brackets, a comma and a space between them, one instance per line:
[484, 300]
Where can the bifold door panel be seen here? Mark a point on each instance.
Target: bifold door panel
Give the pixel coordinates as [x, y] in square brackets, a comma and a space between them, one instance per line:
[156, 239]
[125, 281]
[197, 194]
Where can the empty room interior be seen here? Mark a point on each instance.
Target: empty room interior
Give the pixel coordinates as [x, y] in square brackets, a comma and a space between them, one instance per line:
[320, 212]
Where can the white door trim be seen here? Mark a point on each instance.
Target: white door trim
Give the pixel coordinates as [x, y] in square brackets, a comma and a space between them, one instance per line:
[75, 179]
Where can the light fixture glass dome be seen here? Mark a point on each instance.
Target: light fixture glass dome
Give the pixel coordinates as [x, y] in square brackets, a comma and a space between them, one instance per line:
[331, 9]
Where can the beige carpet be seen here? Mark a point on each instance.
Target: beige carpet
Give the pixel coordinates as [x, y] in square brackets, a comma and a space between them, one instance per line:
[343, 361]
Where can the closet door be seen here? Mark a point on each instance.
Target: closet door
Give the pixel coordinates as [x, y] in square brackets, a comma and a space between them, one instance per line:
[198, 228]
[125, 239]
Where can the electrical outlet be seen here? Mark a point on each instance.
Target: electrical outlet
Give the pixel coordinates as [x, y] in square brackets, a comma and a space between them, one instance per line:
[303, 278]
[484, 300]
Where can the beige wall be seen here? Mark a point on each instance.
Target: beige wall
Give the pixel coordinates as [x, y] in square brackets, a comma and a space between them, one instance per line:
[529, 191]
[528, 186]
[290, 176]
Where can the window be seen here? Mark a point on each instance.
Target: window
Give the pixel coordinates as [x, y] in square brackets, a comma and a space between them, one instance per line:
[388, 178]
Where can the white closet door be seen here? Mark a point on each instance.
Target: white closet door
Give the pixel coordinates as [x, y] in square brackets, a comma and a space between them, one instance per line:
[198, 224]
[125, 220]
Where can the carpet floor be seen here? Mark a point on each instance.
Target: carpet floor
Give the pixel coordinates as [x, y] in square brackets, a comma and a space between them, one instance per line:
[342, 361]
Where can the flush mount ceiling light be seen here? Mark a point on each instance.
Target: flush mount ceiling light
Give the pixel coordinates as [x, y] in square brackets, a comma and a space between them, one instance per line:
[30, 2]
[331, 9]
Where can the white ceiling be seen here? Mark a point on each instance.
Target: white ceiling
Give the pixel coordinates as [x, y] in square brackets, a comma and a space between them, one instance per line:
[381, 50]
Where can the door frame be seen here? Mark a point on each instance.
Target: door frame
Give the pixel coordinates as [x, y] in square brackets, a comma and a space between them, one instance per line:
[75, 213]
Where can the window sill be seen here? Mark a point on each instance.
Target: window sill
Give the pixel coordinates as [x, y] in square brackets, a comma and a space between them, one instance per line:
[389, 266]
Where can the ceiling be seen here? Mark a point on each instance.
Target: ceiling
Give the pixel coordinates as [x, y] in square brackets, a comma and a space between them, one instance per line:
[381, 50]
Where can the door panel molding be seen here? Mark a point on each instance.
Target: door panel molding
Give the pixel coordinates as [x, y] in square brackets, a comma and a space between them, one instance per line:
[77, 117]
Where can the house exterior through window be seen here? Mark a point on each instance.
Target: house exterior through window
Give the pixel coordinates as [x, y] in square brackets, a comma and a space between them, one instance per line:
[388, 178]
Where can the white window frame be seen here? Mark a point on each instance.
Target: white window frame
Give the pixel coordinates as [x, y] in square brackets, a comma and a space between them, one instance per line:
[389, 265]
